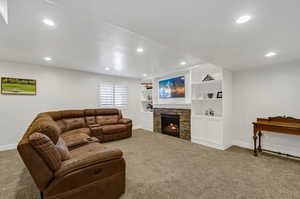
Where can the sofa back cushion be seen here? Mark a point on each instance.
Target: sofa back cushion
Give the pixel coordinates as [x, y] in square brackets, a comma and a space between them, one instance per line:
[47, 127]
[72, 114]
[90, 112]
[47, 150]
[90, 120]
[74, 123]
[61, 125]
[107, 111]
[55, 115]
[107, 119]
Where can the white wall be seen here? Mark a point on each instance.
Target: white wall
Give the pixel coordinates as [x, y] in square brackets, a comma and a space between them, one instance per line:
[264, 92]
[57, 89]
[227, 108]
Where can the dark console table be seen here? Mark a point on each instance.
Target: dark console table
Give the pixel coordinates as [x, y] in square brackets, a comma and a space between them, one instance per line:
[285, 125]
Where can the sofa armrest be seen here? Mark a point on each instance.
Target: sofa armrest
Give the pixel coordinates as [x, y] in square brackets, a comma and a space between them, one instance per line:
[125, 121]
[96, 131]
[88, 159]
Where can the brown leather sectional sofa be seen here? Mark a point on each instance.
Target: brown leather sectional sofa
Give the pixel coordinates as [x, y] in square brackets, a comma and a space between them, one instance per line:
[63, 166]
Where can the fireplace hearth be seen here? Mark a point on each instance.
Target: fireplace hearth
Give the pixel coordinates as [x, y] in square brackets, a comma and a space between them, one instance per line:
[170, 124]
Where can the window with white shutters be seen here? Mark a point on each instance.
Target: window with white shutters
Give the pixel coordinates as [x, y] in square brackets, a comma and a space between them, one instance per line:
[106, 95]
[121, 96]
[113, 95]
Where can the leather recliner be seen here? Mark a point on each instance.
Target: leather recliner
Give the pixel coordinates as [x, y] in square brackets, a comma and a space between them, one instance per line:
[93, 170]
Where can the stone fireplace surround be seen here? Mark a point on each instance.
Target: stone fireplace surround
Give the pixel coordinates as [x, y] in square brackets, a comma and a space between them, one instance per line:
[185, 120]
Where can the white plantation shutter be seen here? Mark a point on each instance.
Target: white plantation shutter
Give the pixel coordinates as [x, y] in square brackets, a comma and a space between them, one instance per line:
[106, 95]
[111, 95]
[121, 96]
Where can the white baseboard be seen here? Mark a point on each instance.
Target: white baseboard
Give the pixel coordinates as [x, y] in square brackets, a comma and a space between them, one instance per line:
[8, 147]
[273, 147]
[136, 127]
[242, 144]
[148, 129]
[143, 127]
[210, 144]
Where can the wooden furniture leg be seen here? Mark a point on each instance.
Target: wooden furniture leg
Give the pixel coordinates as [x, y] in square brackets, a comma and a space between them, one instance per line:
[254, 140]
[259, 141]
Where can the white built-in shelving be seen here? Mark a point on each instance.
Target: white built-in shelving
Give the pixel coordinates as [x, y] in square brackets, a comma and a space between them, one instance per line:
[211, 129]
[204, 93]
[146, 100]
[208, 117]
[210, 114]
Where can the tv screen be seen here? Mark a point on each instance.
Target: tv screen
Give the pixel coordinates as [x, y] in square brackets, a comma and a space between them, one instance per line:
[172, 88]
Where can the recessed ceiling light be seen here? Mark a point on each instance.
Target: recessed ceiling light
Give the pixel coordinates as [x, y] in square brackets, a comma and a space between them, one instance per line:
[243, 19]
[139, 50]
[183, 63]
[107, 68]
[48, 22]
[145, 75]
[4, 10]
[47, 58]
[270, 54]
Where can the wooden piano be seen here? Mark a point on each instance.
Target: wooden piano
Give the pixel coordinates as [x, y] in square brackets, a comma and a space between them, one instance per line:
[285, 125]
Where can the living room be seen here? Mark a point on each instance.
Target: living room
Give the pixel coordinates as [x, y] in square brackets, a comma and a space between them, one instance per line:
[149, 99]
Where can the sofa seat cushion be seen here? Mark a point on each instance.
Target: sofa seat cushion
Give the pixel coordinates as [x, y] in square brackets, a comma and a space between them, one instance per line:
[78, 131]
[87, 155]
[111, 129]
[75, 136]
[87, 148]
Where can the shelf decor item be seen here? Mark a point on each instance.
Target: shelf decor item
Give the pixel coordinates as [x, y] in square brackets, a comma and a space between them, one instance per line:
[219, 94]
[147, 85]
[207, 113]
[210, 95]
[211, 112]
[15, 86]
[208, 78]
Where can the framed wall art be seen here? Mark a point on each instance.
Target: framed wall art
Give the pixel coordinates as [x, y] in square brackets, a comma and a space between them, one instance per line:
[16, 86]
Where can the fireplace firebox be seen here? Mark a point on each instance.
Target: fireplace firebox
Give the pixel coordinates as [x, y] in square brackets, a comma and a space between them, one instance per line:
[170, 124]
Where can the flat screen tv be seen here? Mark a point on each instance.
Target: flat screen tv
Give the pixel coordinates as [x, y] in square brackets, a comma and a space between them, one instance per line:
[172, 88]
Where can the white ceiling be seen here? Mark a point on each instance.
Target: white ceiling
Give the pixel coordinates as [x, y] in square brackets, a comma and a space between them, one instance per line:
[93, 34]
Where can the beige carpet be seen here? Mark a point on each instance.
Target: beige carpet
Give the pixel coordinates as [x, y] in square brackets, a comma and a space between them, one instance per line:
[160, 166]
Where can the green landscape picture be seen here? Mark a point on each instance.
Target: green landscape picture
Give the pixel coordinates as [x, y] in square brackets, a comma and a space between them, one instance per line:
[16, 86]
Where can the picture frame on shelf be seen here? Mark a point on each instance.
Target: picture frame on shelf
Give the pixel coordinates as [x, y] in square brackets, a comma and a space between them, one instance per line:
[220, 95]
